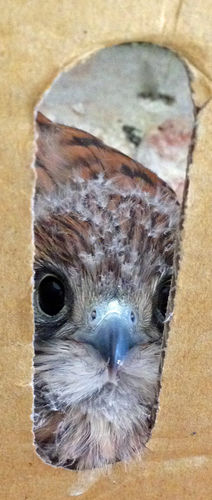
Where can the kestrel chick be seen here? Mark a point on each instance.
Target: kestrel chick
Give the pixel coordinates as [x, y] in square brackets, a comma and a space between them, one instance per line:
[105, 230]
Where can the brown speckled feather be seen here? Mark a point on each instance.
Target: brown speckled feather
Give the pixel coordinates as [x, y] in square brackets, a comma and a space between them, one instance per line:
[105, 230]
[64, 152]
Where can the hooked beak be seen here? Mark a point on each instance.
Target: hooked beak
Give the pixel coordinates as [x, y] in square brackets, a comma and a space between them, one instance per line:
[113, 340]
[113, 332]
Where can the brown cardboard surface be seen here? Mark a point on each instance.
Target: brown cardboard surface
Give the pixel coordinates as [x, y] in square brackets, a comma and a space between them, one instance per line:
[38, 39]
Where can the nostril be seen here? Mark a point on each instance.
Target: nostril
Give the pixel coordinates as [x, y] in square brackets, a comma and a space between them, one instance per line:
[132, 316]
[93, 314]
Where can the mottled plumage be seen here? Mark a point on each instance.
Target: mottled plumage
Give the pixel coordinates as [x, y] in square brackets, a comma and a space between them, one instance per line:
[105, 227]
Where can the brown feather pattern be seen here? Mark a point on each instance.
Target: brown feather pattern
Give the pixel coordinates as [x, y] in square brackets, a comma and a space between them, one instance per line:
[107, 227]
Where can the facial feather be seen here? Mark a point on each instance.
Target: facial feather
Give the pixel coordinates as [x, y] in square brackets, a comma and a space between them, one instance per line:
[103, 241]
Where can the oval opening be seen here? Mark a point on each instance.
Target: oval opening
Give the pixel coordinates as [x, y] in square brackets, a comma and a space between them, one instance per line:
[106, 229]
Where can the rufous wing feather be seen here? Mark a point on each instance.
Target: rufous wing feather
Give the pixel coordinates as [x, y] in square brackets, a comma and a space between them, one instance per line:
[64, 153]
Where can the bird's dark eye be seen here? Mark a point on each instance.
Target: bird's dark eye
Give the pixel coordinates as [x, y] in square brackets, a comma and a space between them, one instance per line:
[51, 295]
[161, 300]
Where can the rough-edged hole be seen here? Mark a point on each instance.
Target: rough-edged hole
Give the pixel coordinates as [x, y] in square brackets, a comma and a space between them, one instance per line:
[95, 288]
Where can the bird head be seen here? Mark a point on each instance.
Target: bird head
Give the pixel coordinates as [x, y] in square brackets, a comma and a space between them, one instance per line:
[103, 267]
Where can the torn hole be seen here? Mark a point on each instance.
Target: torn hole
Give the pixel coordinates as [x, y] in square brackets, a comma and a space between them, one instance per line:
[106, 228]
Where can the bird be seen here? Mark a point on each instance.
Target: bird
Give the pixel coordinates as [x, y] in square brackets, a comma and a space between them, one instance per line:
[105, 232]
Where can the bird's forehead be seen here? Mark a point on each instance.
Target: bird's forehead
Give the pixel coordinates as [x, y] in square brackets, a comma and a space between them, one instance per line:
[109, 233]
[86, 198]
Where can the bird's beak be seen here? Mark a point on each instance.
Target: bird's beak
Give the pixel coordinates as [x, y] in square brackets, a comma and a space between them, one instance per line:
[112, 333]
[113, 340]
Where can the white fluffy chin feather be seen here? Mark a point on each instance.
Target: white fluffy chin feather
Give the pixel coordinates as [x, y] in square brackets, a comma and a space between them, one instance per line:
[103, 420]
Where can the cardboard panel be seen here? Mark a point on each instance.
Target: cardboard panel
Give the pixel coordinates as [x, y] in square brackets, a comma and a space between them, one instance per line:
[38, 40]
